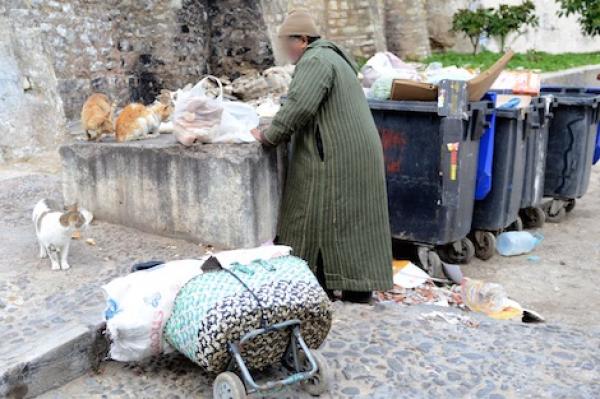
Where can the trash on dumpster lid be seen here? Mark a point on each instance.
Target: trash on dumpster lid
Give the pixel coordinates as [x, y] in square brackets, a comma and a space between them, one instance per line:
[477, 86]
[519, 82]
[502, 100]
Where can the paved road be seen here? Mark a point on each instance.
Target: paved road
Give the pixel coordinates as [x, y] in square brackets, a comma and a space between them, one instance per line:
[374, 351]
[395, 351]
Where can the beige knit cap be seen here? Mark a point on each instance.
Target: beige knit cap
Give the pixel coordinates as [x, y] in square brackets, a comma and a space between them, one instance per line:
[298, 23]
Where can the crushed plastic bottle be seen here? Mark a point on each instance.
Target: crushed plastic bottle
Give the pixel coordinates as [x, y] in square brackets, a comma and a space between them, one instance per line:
[517, 242]
[483, 297]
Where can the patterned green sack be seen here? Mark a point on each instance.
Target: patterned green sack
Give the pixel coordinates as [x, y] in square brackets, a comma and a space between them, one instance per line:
[214, 309]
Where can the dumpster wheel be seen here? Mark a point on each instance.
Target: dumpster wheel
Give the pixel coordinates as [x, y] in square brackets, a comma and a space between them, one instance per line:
[533, 218]
[556, 210]
[485, 244]
[517, 225]
[461, 252]
[431, 262]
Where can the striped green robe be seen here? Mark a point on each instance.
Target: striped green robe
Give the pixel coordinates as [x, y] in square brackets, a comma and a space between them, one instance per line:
[335, 199]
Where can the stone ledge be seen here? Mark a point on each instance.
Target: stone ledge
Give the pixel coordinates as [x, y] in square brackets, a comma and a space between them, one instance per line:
[52, 361]
[226, 195]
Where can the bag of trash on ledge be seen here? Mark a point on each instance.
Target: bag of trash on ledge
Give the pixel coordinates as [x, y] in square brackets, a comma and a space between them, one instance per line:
[199, 117]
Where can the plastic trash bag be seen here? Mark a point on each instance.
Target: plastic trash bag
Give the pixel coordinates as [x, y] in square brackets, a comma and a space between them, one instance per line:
[434, 74]
[200, 117]
[138, 306]
[386, 64]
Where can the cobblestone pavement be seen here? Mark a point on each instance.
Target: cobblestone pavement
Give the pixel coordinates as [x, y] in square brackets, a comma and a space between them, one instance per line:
[35, 300]
[393, 351]
[375, 352]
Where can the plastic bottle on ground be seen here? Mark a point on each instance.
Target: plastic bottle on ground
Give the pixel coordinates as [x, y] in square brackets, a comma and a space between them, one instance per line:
[517, 242]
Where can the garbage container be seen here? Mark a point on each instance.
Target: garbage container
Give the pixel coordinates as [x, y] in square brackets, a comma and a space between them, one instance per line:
[486, 153]
[537, 122]
[500, 208]
[596, 90]
[571, 147]
[431, 165]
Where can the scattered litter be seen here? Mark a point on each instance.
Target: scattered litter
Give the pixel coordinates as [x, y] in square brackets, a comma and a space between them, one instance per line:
[534, 258]
[490, 299]
[450, 318]
[90, 241]
[530, 316]
[427, 293]
[453, 272]
[407, 275]
[517, 242]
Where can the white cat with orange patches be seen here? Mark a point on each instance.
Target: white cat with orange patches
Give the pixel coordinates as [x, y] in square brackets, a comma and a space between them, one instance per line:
[54, 228]
[138, 121]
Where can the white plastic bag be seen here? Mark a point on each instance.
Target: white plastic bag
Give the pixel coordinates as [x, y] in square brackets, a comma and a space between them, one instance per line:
[197, 116]
[237, 120]
[200, 117]
[139, 305]
[387, 64]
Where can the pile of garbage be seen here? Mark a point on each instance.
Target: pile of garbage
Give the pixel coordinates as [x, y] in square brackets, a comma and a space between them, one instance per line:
[381, 70]
[254, 87]
[413, 286]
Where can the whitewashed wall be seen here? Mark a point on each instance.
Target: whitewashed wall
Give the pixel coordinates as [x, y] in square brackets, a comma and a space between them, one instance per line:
[554, 34]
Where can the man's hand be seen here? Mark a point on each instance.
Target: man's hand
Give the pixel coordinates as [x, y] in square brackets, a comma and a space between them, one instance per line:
[259, 136]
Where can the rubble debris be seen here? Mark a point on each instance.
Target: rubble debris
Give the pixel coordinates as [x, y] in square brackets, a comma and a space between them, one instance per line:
[451, 318]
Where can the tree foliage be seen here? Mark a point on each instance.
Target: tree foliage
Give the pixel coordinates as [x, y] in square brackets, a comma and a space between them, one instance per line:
[587, 11]
[500, 22]
[472, 23]
[512, 19]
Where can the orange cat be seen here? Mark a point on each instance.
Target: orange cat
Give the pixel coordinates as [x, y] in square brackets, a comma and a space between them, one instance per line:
[138, 121]
[97, 116]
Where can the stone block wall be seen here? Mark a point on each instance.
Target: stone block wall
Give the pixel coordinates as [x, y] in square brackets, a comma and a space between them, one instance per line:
[131, 49]
[355, 25]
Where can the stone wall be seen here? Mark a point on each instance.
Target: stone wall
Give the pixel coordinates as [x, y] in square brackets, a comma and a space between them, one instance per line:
[31, 110]
[131, 49]
[238, 37]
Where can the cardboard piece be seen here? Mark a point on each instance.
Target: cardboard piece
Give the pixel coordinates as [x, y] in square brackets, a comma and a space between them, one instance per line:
[480, 84]
[409, 90]
[403, 89]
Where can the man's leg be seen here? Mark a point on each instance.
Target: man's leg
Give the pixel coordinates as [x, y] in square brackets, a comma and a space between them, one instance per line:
[321, 275]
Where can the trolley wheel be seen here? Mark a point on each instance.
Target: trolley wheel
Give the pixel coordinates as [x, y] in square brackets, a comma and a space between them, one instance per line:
[319, 383]
[556, 217]
[570, 205]
[533, 218]
[485, 244]
[450, 254]
[228, 385]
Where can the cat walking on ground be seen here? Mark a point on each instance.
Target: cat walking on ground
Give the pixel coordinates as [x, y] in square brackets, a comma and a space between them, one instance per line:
[54, 228]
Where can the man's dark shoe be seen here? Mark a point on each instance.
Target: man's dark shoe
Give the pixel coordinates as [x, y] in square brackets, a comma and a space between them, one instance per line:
[357, 296]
